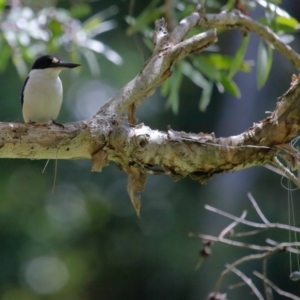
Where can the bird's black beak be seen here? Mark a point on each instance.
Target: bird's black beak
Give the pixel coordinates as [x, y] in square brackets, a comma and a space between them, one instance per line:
[65, 64]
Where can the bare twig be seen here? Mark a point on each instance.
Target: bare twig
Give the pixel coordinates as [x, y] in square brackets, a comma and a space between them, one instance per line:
[288, 248]
[248, 281]
[286, 171]
[247, 233]
[168, 8]
[232, 225]
[275, 288]
[236, 285]
[275, 170]
[232, 217]
[231, 242]
[266, 287]
[252, 224]
[259, 212]
[266, 250]
[236, 263]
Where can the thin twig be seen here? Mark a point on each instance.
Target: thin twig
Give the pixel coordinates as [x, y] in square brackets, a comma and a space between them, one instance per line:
[266, 287]
[275, 170]
[288, 248]
[236, 285]
[259, 212]
[236, 263]
[232, 217]
[252, 224]
[232, 225]
[248, 281]
[168, 9]
[286, 171]
[231, 242]
[247, 233]
[45, 166]
[275, 288]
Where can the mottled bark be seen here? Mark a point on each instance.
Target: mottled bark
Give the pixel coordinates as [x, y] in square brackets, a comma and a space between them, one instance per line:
[140, 150]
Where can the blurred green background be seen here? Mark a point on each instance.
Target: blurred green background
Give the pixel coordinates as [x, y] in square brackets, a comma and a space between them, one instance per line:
[84, 241]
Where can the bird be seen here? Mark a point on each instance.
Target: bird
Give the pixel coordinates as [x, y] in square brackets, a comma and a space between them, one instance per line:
[42, 90]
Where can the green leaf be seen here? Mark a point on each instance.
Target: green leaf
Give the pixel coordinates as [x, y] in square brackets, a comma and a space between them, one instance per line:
[239, 57]
[282, 24]
[275, 1]
[230, 86]
[229, 5]
[206, 68]
[287, 23]
[223, 62]
[165, 87]
[2, 5]
[264, 63]
[92, 23]
[80, 10]
[273, 8]
[149, 15]
[206, 96]
[189, 71]
[173, 99]
[56, 28]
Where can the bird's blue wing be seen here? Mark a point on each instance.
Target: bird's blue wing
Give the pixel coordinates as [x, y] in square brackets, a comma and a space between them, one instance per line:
[23, 88]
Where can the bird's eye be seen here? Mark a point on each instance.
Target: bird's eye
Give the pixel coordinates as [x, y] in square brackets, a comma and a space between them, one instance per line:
[55, 60]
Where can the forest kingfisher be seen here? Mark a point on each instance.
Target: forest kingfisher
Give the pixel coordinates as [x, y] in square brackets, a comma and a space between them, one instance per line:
[42, 91]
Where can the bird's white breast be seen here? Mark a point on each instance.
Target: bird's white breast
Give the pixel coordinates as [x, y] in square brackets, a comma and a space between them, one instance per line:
[42, 96]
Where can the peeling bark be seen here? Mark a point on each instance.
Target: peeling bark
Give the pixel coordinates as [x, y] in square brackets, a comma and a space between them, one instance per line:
[140, 150]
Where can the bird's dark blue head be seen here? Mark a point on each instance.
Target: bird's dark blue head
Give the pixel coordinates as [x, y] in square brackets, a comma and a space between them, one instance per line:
[50, 61]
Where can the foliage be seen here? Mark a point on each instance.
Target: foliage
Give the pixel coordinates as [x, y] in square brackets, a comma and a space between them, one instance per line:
[27, 33]
[213, 68]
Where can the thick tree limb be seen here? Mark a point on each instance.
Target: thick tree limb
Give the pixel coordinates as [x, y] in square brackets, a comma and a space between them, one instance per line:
[176, 153]
[106, 137]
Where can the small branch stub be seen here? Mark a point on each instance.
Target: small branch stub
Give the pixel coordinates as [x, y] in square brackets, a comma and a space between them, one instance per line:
[99, 160]
[136, 184]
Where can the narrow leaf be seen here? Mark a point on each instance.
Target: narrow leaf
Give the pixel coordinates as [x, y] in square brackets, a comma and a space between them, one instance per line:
[175, 83]
[165, 87]
[195, 76]
[264, 63]
[282, 24]
[150, 14]
[230, 4]
[230, 86]
[274, 8]
[239, 57]
[206, 68]
[223, 62]
[206, 96]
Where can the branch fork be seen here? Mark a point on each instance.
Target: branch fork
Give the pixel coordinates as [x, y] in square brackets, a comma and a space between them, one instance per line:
[140, 150]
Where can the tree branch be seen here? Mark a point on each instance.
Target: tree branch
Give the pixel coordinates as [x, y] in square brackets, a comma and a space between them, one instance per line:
[276, 288]
[238, 20]
[106, 137]
[248, 281]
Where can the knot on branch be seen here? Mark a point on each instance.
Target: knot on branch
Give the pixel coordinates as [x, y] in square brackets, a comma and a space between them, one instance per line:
[161, 37]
